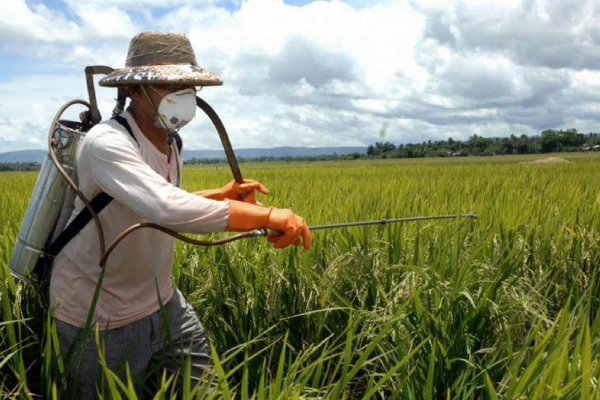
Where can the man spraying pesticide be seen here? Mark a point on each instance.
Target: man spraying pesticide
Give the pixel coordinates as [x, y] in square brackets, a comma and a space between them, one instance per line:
[126, 174]
[129, 167]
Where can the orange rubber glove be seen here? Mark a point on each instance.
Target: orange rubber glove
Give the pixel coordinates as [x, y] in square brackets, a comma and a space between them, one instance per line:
[294, 230]
[235, 191]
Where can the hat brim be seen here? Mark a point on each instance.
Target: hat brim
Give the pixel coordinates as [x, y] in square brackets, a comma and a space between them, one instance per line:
[161, 74]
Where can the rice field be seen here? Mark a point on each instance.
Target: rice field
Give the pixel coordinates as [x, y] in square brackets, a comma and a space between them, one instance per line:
[503, 307]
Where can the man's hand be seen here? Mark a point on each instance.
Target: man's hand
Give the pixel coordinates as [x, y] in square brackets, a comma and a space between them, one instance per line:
[236, 191]
[292, 228]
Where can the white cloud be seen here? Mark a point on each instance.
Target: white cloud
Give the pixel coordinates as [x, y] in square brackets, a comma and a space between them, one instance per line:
[327, 73]
[547, 33]
[24, 25]
[29, 103]
[102, 22]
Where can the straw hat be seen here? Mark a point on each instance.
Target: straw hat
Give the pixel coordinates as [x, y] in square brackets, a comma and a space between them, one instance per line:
[160, 58]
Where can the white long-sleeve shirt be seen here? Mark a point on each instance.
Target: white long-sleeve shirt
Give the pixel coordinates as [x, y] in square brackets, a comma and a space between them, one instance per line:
[138, 177]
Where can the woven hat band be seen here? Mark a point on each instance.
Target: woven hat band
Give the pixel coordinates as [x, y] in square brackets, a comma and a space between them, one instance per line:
[152, 48]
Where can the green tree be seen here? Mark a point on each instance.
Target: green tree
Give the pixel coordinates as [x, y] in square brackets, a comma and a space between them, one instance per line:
[479, 144]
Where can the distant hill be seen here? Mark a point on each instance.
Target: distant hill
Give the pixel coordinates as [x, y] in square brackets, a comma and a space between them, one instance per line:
[23, 156]
[26, 156]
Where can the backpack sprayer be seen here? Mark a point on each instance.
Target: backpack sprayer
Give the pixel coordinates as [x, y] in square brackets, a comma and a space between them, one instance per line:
[52, 200]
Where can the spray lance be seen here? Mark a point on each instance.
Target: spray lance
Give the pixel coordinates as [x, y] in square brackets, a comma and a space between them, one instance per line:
[56, 189]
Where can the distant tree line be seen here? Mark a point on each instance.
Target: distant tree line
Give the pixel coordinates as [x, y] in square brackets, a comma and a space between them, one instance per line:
[548, 141]
[19, 166]
[323, 157]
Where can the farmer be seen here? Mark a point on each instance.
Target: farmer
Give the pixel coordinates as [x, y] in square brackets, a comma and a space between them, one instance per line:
[142, 319]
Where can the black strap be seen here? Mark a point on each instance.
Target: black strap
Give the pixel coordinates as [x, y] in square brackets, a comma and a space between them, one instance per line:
[178, 141]
[79, 222]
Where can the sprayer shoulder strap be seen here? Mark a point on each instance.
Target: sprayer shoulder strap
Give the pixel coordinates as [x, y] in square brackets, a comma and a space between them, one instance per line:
[79, 222]
[98, 203]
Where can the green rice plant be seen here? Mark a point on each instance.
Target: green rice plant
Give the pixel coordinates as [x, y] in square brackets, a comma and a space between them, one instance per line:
[506, 306]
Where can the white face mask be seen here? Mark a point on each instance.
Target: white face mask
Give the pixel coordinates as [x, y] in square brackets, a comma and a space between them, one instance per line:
[177, 109]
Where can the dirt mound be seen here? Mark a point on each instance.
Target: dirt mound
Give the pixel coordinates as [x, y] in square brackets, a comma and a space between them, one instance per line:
[549, 160]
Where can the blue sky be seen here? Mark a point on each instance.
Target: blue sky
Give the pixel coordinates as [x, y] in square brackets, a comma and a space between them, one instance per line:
[322, 73]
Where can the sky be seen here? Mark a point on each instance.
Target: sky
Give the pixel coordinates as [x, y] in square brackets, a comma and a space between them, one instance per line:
[321, 73]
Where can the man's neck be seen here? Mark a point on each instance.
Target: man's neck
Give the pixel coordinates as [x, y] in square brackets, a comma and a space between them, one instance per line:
[158, 137]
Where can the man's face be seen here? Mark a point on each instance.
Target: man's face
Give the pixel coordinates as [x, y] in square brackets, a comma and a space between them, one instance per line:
[149, 97]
